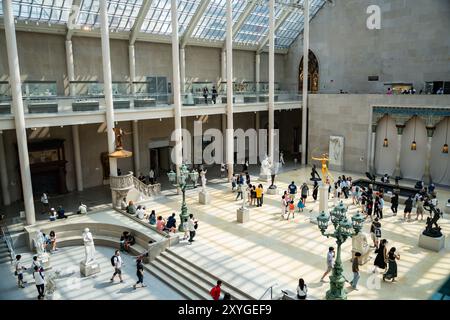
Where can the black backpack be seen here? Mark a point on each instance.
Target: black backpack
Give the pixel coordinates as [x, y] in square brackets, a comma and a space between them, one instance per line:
[113, 260]
[196, 225]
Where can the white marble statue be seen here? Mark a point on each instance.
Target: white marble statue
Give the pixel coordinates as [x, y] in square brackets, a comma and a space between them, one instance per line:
[40, 243]
[360, 244]
[203, 179]
[88, 247]
[244, 198]
[265, 167]
[50, 287]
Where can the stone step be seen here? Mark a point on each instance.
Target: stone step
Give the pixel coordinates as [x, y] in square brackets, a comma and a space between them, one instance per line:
[205, 279]
[234, 291]
[195, 279]
[178, 283]
[5, 259]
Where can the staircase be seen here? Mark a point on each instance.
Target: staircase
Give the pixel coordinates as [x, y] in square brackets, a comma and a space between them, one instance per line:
[5, 255]
[189, 280]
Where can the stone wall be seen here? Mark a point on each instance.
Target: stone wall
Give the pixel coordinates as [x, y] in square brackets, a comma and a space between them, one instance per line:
[412, 45]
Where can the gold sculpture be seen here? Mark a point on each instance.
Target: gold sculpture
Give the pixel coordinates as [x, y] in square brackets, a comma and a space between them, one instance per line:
[325, 173]
[120, 152]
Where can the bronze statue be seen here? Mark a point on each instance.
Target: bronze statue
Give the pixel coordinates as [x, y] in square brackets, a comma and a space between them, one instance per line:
[432, 229]
[324, 159]
[119, 137]
[314, 174]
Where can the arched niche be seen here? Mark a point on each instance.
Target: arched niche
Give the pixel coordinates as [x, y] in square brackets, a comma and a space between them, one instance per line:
[313, 73]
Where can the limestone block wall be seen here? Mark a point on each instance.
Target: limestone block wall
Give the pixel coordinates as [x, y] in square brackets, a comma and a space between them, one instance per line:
[409, 47]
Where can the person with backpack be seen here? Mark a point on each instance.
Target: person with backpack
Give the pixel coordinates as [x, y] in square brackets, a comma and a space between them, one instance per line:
[305, 192]
[139, 273]
[116, 262]
[215, 291]
[375, 232]
[39, 278]
[292, 190]
[19, 271]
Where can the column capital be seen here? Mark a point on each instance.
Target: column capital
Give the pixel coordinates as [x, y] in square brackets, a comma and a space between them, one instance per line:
[400, 128]
[430, 131]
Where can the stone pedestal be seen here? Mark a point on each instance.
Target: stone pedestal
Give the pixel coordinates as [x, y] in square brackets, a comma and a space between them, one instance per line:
[323, 198]
[272, 191]
[447, 208]
[44, 260]
[434, 244]
[89, 269]
[203, 197]
[243, 215]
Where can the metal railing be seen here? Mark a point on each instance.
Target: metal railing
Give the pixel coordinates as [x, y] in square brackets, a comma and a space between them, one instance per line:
[6, 236]
[267, 290]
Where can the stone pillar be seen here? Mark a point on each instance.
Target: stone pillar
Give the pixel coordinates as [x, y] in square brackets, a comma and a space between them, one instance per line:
[136, 154]
[271, 110]
[257, 71]
[17, 104]
[107, 79]
[182, 70]
[372, 148]
[77, 157]
[229, 46]
[305, 79]
[223, 65]
[70, 67]
[400, 127]
[176, 86]
[4, 173]
[427, 174]
[132, 61]
[257, 120]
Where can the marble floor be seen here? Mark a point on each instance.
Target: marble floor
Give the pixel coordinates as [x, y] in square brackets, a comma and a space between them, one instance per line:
[268, 250]
[72, 286]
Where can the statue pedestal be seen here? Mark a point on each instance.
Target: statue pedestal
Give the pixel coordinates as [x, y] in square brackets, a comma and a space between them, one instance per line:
[44, 260]
[272, 191]
[360, 244]
[434, 244]
[323, 198]
[243, 215]
[89, 269]
[203, 197]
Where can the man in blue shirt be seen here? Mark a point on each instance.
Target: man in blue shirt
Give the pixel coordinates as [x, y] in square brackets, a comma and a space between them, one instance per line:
[292, 190]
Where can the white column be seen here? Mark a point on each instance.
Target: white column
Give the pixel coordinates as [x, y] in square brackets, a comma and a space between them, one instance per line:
[257, 121]
[107, 79]
[19, 118]
[182, 70]
[271, 79]
[372, 152]
[70, 67]
[77, 157]
[176, 86]
[257, 70]
[399, 149]
[223, 65]
[132, 61]
[229, 135]
[4, 173]
[427, 174]
[136, 154]
[305, 77]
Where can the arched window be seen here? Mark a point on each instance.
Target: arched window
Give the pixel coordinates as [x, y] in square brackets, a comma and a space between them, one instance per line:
[313, 74]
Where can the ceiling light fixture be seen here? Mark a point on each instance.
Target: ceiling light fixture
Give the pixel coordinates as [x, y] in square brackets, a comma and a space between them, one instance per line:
[414, 144]
[445, 147]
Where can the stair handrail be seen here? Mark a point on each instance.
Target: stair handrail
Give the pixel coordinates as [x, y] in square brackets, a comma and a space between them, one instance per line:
[267, 290]
[7, 238]
[147, 189]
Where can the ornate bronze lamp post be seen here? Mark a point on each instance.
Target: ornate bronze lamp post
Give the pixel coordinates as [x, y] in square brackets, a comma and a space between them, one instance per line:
[181, 182]
[343, 230]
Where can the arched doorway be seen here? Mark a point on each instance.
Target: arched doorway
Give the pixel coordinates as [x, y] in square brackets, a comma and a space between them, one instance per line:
[313, 73]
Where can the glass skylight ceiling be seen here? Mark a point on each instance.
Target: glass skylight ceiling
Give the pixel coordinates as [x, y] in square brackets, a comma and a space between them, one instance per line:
[293, 25]
[211, 24]
[49, 11]
[158, 17]
[122, 13]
